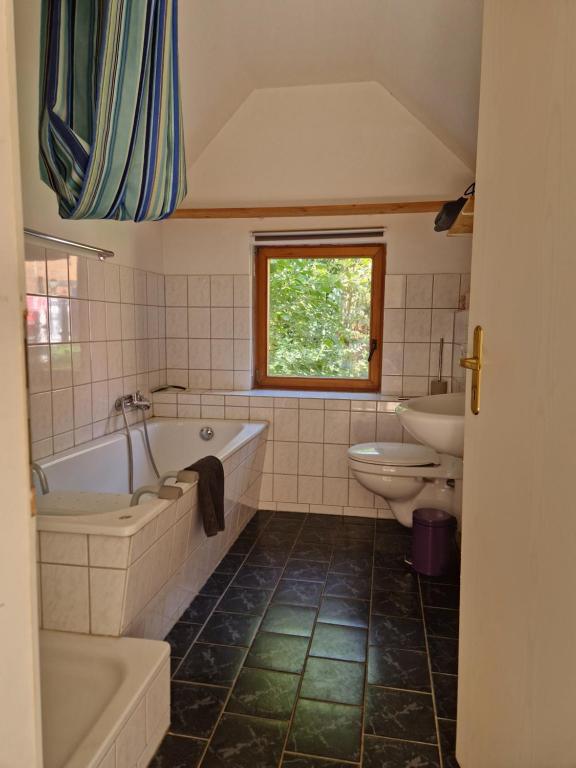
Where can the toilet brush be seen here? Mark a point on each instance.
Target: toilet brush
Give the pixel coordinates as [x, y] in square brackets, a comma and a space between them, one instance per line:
[437, 386]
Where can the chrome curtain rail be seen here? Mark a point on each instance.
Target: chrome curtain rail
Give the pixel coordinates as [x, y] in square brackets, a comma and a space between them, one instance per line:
[101, 253]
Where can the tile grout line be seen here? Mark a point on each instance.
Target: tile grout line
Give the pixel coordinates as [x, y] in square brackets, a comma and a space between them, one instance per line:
[428, 657]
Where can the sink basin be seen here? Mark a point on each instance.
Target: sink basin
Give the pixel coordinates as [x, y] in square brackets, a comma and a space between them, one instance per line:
[436, 420]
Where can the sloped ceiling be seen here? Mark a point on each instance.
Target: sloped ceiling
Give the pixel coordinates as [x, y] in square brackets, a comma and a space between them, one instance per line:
[426, 53]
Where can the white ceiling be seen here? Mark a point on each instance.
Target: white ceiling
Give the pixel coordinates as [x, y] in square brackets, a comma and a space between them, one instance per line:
[425, 52]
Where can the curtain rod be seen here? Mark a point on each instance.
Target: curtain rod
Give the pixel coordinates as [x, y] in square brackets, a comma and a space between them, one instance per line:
[101, 253]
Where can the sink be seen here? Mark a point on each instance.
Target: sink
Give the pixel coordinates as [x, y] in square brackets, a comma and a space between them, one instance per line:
[436, 420]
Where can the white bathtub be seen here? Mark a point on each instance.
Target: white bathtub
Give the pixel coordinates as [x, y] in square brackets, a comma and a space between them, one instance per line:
[105, 702]
[108, 568]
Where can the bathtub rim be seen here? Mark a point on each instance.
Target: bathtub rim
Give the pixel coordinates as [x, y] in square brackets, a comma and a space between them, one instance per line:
[111, 523]
[142, 659]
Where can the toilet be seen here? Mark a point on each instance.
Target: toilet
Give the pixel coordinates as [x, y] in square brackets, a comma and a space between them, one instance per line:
[408, 476]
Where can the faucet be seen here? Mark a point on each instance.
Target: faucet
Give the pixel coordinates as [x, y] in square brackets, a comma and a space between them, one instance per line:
[37, 470]
[140, 402]
[134, 400]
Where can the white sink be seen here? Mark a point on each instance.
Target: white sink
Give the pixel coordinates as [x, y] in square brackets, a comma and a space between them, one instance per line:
[436, 420]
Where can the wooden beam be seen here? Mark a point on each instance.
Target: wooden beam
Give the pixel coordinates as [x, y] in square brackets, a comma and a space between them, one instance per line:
[281, 211]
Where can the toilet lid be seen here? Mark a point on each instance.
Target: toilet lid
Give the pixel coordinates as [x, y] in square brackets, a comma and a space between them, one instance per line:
[394, 454]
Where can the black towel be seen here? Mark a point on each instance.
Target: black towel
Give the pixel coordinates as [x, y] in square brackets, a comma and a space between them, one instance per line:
[210, 492]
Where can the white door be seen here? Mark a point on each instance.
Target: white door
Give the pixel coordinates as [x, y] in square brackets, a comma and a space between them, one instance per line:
[517, 686]
[20, 739]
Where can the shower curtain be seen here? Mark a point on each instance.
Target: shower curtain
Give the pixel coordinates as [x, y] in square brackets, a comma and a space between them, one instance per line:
[111, 138]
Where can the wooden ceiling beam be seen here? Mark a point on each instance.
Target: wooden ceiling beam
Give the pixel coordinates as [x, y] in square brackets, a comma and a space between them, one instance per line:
[285, 211]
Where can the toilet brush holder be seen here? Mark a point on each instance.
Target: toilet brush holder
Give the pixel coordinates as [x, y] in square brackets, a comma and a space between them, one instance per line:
[438, 386]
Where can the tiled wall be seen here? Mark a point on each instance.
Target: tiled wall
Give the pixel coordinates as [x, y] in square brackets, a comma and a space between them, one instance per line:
[305, 466]
[209, 330]
[95, 330]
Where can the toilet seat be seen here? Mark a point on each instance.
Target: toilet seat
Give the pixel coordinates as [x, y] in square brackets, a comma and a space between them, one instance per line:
[395, 454]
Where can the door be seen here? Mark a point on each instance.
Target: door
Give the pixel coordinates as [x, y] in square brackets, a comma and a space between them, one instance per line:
[517, 685]
[20, 740]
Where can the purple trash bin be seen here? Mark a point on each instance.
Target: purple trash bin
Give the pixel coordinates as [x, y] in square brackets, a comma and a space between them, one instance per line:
[433, 543]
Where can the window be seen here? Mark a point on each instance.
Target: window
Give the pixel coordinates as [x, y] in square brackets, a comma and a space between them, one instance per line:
[319, 317]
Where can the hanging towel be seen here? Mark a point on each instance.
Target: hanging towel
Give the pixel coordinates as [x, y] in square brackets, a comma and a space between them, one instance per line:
[210, 492]
[111, 143]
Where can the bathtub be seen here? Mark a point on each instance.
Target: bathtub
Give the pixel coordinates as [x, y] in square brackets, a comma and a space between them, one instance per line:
[111, 569]
[105, 702]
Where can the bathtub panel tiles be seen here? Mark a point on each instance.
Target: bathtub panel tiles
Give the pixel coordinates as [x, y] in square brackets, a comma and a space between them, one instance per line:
[305, 465]
[140, 585]
[210, 330]
[94, 331]
[144, 727]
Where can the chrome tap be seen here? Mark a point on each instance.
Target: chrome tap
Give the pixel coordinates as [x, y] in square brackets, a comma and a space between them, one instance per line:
[140, 402]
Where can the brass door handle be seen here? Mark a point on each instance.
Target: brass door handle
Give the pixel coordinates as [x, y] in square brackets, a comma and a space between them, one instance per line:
[471, 363]
[474, 364]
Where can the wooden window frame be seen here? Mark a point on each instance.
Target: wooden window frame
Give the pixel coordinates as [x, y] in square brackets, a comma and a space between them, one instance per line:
[377, 253]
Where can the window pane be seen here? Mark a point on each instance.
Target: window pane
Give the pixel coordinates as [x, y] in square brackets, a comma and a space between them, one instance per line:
[319, 317]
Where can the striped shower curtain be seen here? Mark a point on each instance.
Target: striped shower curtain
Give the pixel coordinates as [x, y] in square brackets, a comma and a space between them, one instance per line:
[111, 143]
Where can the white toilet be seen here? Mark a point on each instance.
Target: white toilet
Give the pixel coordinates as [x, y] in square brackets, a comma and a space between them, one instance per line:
[408, 476]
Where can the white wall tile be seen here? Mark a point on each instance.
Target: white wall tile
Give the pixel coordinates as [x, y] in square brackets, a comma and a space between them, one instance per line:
[419, 291]
[394, 324]
[65, 598]
[39, 368]
[96, 282]
[127, 285]
[418, 325]
[337, 427]
[140, 287]
[310, 490]
[442, 324]
[176, 353]
[362, 428]
[35, 267]
[106, 599]
[97, 311]
[222, 354]
[311, 426]
[62, 411]
[286, 458]
[416, 359]
[335, 491]
[241, 355]
[222, 291]
[82, 405]
[242, 323]
[222, 380]
[241, 291]
[176, 291]
[199, 323]
[198, 290]
[114, 358]
[41, 416]
[98, 361]
[59, 313]
[392, 357]
[310, 459]
[446, 291]
[395, 291]
[335, 460]
[222, 323]
[285, 424]
[285, 488]
[177, 322]
[111, 282]
[79, 320]
[81, 364]
[63, 548]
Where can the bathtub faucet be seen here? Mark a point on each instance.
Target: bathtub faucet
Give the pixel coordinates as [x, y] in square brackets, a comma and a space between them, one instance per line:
[134, 400]
[140, 402]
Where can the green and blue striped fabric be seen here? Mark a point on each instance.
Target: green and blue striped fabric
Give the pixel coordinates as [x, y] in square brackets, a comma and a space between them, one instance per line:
[111, 138]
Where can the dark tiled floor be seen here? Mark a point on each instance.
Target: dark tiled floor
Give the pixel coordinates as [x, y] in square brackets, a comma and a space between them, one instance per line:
[313, 645]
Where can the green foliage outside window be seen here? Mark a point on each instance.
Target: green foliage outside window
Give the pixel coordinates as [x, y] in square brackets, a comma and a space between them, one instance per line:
[319, 317]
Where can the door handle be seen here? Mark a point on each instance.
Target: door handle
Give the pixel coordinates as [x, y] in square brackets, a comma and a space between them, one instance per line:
[373, 348]
[474, 364]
